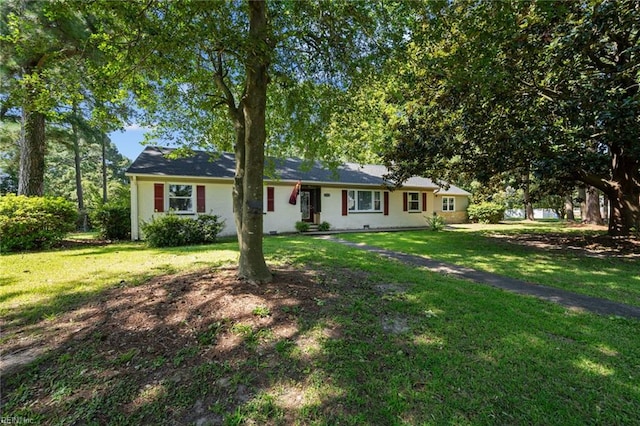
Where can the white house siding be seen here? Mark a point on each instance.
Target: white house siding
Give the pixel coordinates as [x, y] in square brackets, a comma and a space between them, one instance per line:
[144, 205]
[218, 201]
[332, 208]
[332, 211]
[284, 216]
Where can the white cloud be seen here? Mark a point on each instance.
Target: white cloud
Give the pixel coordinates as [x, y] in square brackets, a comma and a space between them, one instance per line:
[135, 127]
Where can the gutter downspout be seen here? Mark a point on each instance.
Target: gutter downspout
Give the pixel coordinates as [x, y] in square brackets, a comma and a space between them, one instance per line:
[135, 233]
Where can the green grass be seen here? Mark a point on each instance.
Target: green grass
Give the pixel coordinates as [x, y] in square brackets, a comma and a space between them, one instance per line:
[34, 286]
[610, 278]
[464, 354]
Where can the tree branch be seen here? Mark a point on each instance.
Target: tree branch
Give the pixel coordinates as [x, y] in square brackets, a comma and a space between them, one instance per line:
[552, 95]
[219, 75]
[596, 181]
[599, 63]
[221, 102]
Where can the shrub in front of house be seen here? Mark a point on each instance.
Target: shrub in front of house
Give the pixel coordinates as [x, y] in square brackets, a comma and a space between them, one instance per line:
[302, 226]
[31, 223]
[435, 222]
[113, 221]
[486, 212]
[209, 226]
[324, 226]
[171, 230]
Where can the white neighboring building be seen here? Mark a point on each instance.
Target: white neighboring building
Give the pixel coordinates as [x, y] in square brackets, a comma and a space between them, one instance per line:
[537, 214]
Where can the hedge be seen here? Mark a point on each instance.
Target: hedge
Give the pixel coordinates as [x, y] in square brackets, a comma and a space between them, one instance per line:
[30, 223]
[171, 230]
[486, 212]
[113, 221]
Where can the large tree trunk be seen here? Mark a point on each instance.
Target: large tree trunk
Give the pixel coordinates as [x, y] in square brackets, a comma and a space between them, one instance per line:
[624, 195]
[624, 215]
[238, 183]
[32, 151]
[76, 162]
[568, 208]
[622, 190]
[252, 265]
[582, 196]
[528, 209]
[593, 215]
[528, 205]
[103, 138]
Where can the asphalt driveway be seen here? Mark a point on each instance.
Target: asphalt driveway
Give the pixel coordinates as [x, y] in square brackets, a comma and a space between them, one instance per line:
[559, 296]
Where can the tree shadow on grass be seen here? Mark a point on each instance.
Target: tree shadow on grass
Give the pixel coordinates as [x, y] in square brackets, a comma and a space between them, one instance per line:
[605, 275]
[68, 296]
[7, 281]
[137, 246]
[131, 351]
[325, 345]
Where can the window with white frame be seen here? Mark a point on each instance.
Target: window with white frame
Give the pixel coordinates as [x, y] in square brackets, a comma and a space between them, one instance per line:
[364, 201]
[448, 204]
[181, 198]
[413, 201]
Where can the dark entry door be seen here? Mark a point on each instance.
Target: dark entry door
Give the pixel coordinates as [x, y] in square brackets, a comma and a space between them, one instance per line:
[305, 206]
[309, 203]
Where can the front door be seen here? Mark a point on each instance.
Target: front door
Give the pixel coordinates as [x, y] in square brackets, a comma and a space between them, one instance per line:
[305, 206]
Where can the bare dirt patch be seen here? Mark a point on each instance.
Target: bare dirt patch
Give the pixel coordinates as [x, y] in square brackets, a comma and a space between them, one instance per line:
[71, 243]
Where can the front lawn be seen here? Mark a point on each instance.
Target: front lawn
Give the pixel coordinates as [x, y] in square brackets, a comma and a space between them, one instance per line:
[546, 253]
[340, 337]
[36, 286]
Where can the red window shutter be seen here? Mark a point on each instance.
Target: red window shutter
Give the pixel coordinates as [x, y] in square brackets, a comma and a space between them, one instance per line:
[200, 203]
[405, 204]
[386, 203]
[345, 202]
[270, 199]
[158, 197]
[424, 201]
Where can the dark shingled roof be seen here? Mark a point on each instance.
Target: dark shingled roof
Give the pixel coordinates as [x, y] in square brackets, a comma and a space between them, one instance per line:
[153, 161]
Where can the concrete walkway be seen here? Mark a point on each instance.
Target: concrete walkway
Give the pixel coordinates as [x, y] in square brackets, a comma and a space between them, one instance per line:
[562, 297]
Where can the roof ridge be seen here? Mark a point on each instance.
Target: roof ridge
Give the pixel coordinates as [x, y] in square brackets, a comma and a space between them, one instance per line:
[153, 161]
[315, 160]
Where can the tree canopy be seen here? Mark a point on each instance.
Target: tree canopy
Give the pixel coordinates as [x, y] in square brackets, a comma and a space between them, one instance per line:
[49, 64]
[549, 88]
[249, 76]
[60, 174]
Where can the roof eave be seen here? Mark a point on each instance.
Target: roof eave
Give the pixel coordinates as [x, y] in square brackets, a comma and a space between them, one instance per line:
[292, 182]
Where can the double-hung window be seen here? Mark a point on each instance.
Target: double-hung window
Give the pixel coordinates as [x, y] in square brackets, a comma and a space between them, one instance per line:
[364, 201]
[181, 198]
[448, 204]
[413, 201]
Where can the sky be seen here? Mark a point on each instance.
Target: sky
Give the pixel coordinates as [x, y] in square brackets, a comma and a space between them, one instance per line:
[129, 141]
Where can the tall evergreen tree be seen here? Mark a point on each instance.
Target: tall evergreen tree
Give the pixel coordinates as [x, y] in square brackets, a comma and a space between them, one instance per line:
[49, 62]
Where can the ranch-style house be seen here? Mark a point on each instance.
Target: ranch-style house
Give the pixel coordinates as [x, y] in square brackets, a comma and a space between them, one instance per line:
[348, 198]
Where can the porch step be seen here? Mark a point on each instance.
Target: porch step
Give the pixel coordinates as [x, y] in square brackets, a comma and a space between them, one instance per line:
[313, 228]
